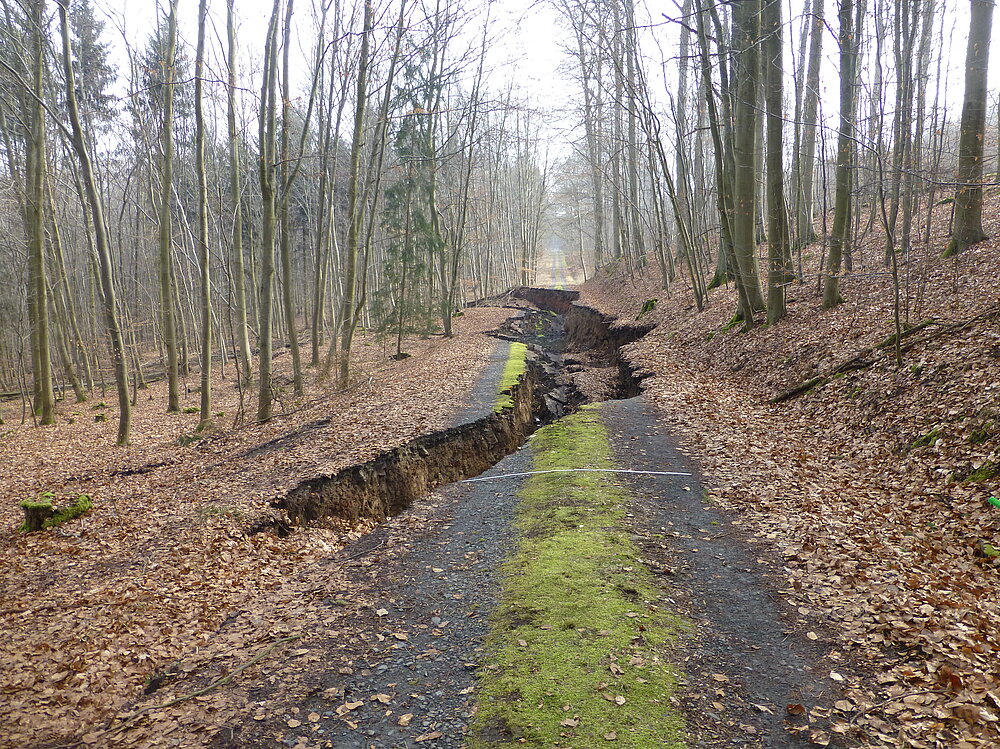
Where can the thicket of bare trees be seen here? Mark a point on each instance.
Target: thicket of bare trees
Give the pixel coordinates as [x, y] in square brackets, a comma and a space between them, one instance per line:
[194, 207]
[741, 160]
[199, 206]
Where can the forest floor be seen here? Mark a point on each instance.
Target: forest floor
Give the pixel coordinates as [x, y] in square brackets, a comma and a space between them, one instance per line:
[96, 607]
[873, 485]
[853, 518]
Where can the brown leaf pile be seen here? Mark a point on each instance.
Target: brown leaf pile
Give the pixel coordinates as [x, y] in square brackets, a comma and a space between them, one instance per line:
[858, 483]
[141, 584]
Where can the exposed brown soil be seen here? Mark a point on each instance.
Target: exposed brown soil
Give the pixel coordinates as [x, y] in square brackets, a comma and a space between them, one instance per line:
[388, 484]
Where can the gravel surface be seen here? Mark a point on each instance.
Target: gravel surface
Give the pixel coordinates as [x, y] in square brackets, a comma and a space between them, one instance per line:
[439, 596]
[429, 580]
[424, 584]
[751, 656]
[484, 394]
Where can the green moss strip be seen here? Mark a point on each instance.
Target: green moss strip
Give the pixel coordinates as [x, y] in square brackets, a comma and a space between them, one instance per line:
[576, 646]
[512, 372]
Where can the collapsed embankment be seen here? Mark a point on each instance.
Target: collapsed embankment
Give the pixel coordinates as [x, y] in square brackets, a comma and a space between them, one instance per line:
[389, 483]
[598, 336]
[392, 481]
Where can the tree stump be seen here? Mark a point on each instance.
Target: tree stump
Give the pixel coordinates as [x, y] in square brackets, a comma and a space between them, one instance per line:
[36, 513]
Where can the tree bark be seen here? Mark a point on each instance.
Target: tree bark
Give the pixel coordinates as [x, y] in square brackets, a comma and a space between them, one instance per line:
[968, 222]
[45, 401]
[235, 192]
[204, 257]
[845, 153]
[805, 161]
[348, 315]
[285, 248]
[779, 270]
[266, 173]
[167, 296]
[102, 239]
[746, 20]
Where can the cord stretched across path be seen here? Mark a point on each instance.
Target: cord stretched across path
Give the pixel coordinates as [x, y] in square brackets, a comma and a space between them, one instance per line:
[574, 470]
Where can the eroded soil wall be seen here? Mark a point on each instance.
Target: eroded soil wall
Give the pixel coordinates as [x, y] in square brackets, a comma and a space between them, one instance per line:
[391, 482]
[591, 332]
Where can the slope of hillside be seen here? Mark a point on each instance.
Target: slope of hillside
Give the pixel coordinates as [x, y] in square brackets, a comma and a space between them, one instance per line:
[873, 485]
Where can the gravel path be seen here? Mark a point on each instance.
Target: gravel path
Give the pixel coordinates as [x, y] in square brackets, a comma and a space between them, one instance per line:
[751, 657]
[439, 597]
[484, 393]
[429, 581]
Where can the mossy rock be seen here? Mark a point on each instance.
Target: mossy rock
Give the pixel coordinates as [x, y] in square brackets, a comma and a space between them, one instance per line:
[648, 306]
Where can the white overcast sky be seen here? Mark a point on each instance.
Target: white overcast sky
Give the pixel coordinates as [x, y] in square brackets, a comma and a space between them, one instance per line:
[528, 50]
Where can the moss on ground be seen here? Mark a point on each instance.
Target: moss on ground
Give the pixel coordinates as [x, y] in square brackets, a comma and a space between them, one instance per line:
[987, 471]
[512, 372]
[929, 439]
[576, 646]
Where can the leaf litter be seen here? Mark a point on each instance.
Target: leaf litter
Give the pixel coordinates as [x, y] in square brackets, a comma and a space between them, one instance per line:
[163, 587]
[873, 487]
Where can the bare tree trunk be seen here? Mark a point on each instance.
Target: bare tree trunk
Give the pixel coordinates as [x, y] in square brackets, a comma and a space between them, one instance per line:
[204, 257]
[968, 221]
[167, 294]
[746, 22]
[779, 270]
[845, 153]
[805, 157]
[102, 239]
[285, 250]
[266, 170]
[235, 197]
[45, 401]
[348, 314]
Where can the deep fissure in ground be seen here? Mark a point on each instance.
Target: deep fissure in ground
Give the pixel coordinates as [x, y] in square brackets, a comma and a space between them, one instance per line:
[569, 344]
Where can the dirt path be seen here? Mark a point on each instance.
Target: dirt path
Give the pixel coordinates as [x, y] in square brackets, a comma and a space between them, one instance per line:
[408, 640]
[412, 668]
[408, 678]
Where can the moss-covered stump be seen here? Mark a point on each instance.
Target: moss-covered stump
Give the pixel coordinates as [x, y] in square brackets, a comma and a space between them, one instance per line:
[40, 514]
[36, 514]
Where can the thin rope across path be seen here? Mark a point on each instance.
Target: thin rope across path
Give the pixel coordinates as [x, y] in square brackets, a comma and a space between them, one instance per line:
[574, 470]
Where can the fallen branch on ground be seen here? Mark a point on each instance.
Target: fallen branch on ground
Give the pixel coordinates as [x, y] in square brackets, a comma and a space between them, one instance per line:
[862, 360]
